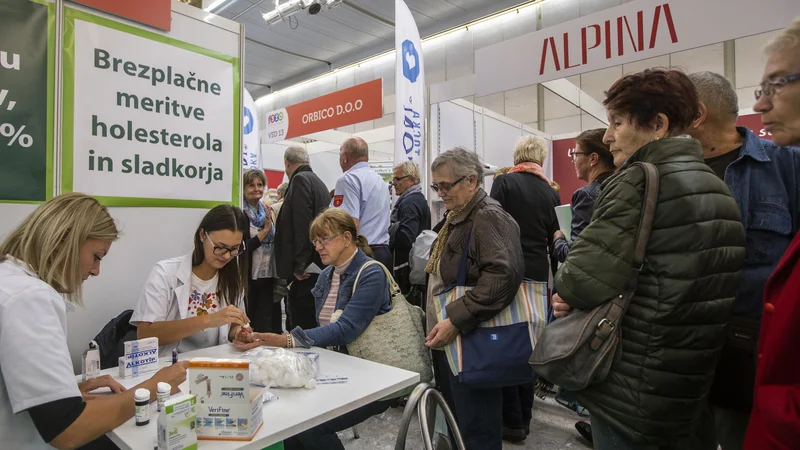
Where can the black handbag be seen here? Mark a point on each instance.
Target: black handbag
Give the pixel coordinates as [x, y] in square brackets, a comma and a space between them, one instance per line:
[735, 377]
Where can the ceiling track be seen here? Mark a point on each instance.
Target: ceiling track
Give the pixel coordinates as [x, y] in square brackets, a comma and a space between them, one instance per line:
[368, 13]
[247, 10]
[272, 47]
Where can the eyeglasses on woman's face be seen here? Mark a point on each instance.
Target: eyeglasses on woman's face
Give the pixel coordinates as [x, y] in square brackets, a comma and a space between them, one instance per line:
[445, 187]
[222, 250]
[573, 155]
[323, 242]
[769, 87]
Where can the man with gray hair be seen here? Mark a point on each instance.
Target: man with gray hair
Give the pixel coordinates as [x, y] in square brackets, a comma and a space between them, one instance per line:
[410, 217]
[306, 196]
[763, 178]
[363, 194]
[775, 421]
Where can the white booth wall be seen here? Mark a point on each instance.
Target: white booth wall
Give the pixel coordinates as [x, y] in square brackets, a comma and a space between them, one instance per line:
[459, 123]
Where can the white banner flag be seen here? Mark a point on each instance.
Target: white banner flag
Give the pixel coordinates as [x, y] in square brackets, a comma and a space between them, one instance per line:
[409, 130]
[251, 144]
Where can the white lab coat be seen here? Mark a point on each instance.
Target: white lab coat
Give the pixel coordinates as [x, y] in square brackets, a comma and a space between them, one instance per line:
[35, 365]
[165, 297]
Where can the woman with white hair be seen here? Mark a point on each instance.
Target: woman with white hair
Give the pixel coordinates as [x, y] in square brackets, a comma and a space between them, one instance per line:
[528, 196]
[477, 225]
[775, 419]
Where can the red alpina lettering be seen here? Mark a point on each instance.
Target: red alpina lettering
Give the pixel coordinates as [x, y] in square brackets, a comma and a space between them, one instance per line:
[595, 35]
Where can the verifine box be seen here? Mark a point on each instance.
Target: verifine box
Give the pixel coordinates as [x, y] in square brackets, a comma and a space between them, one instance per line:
[228, 408]
[176, 424]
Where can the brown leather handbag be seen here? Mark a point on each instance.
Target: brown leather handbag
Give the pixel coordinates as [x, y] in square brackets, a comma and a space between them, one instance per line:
[578, 350]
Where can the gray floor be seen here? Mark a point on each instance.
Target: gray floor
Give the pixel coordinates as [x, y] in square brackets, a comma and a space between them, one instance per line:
[552, 428]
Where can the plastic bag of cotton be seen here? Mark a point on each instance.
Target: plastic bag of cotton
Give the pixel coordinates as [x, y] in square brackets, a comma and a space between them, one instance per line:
[280, 368]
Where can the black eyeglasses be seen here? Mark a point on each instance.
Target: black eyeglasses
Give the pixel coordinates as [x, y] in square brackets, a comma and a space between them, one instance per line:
[769, 87]
[444, 186]
[220, 250]
[397, 179]
[574, 155]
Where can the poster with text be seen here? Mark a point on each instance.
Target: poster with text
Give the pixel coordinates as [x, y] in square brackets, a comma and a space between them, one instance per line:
[26, 101]
[148, 120]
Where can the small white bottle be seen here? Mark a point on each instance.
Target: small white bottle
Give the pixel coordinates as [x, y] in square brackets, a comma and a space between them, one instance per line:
[142, 398]
[91, 361]
[162, 394]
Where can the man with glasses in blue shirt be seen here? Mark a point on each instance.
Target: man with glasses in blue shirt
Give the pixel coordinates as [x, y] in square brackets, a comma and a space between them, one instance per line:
[410, 217]
[764, 178]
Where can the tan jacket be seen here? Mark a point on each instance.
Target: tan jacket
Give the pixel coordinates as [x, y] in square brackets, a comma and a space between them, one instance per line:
[495, 265]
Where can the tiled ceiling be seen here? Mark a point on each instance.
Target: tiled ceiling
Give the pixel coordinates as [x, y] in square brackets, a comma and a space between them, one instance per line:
[305, 45]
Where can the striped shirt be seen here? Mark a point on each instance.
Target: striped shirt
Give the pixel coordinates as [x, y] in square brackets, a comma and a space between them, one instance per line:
[329, 306]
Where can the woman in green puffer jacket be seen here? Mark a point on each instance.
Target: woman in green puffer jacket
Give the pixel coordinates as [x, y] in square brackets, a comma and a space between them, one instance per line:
[673, 331]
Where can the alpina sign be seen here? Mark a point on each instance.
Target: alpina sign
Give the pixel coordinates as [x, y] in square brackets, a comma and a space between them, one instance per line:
[631, 32]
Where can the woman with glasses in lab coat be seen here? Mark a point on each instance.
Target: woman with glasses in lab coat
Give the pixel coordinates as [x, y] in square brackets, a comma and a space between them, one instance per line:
[196, 301]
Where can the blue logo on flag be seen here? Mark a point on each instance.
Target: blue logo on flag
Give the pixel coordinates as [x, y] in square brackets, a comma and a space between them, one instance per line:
[492, 337]
[410, 61]
[248, 121]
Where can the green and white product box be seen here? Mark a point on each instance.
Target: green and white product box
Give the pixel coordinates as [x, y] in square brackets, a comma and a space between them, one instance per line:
[176, 424]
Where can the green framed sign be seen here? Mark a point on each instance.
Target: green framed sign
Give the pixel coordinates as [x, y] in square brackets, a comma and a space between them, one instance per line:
[148, 120]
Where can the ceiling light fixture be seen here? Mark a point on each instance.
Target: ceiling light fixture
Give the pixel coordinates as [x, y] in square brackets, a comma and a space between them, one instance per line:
[286, 9]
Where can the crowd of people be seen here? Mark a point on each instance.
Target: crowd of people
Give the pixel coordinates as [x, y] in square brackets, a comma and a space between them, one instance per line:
[705, 357]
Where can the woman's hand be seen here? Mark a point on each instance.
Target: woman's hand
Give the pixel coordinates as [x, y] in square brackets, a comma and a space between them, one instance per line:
[271, 339]
[560, 308]
[174, 375]
[443, 333]
[244, 346]
[241, 334]
[228, 315]
[559, 234]
[86, 387]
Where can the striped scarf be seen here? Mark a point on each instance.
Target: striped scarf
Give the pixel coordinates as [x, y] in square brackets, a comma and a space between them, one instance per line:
[441, 240]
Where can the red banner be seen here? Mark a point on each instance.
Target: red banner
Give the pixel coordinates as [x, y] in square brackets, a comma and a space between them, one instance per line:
[753, 121]
[346, 107]
[564, 170]
[155, 13]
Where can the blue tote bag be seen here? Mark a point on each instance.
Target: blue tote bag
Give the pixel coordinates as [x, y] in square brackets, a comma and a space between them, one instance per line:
[496, 354]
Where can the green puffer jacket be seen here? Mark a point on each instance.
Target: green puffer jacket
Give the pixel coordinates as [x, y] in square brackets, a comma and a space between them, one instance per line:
[673, 330]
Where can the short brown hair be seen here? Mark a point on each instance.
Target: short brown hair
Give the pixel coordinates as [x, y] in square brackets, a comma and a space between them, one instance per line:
[591, 141]
[334, 221]
[251, 175]
[645, 94]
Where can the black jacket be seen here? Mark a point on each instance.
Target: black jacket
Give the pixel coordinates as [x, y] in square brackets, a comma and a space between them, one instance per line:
[582, 208]
[410, 217]
[306, 197]
[531, 202]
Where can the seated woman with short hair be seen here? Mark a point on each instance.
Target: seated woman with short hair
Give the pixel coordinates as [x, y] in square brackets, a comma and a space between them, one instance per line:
[338, 243]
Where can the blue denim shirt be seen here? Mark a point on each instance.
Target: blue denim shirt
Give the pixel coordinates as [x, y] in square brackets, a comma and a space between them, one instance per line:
[371, 298]
[765, 181]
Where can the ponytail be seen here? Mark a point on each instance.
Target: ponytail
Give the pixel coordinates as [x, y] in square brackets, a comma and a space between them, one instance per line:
[361, 243]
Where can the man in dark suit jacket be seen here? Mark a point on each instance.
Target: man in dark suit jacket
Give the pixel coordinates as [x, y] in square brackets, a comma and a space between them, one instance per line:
[306, 197]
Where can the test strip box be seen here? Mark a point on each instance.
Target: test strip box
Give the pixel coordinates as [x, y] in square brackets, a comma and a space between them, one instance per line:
[177, 424]
[141, 357]
[139, 345]
[228, 408]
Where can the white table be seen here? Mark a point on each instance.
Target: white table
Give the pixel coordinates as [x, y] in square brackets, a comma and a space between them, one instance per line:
[295, 411]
